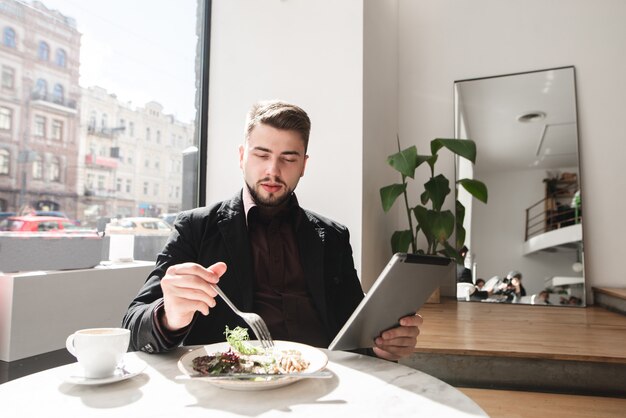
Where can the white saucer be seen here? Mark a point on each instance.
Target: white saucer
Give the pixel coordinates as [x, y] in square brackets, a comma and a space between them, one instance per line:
[131, 369]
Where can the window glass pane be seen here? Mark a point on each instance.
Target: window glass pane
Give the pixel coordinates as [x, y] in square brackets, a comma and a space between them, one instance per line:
[44, 51]
[85, 132]
[8, 78]
[6, 117]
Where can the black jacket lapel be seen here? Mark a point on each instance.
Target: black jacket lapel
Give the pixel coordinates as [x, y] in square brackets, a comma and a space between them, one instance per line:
[311, 247]
[232, 225]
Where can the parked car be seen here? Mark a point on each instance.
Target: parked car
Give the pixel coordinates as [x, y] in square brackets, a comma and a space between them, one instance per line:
[55, 213]
[34, 223]
[138, 226]
[6, 215]
[169, 217]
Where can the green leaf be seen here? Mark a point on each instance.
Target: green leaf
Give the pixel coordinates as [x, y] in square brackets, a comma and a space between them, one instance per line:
[424, 197]
[431, 160]
[404, 161]
[460, 213]
[460, 229]
[438, 188]
[460, 236]
[476, 188]
[442, 225]
[400, 241]
[389, 194]
[424, 222]
[466, 148]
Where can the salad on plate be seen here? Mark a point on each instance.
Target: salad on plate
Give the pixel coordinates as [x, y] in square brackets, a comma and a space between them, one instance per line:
[242, 357]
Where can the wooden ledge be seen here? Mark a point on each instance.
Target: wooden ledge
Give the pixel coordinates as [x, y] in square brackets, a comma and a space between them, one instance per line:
[616, 292]
[508, 403]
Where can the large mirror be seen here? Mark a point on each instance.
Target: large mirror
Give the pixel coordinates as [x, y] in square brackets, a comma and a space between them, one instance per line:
[525, 129]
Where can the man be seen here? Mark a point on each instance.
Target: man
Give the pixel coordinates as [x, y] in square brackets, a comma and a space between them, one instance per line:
[291, 266]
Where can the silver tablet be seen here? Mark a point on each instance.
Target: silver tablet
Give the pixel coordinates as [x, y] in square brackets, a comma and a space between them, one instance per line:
[400, 290]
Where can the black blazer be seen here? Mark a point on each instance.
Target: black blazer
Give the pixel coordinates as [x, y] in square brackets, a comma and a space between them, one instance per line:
[219, 233]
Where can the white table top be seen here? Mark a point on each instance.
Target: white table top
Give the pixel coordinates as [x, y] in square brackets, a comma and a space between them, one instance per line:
[362, 387]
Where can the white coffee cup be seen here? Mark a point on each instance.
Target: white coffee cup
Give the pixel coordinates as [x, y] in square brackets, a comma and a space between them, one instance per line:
[99, 350]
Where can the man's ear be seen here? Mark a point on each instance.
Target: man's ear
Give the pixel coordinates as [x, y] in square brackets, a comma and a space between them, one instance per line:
[306, 158]
[241, 152]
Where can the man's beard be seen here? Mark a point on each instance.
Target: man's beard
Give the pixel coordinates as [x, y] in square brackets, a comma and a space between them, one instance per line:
[271, 201]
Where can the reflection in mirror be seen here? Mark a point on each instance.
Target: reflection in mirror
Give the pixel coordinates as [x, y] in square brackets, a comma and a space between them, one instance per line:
[525, 129]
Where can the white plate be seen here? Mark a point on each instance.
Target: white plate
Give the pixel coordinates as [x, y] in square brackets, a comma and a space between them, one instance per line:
[132, 367]
[316, 358]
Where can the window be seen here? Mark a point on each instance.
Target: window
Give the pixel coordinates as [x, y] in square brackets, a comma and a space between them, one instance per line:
[63, 153]
[58, 94]
[57, 130]
[44, 51]
[146, 163]
[40, 126]
[6, 118]
[54, 170]
[9, 37]
[60, 58]
[92, 120]
[8, 78]
[104, 122]
[41, 88]
[38, 168]
[147, 134]
[5, 162]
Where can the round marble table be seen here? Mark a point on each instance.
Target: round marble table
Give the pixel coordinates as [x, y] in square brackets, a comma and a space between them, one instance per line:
[362, 386]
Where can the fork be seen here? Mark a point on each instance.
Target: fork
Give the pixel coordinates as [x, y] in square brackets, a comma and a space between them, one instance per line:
[253, 320]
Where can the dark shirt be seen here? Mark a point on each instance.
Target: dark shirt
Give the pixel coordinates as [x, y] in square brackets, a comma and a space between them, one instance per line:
[281, 296]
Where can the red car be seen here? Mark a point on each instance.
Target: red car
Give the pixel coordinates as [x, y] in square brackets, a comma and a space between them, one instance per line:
[36, 224]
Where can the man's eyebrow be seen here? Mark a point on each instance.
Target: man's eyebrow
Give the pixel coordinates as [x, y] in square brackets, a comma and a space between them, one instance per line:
[263, 149]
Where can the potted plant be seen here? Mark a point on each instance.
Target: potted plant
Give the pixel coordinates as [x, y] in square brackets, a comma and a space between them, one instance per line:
[436, 224]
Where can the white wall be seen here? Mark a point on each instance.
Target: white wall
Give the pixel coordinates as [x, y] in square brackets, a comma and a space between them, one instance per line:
[380, 125]
[441, 41]
[306, 52]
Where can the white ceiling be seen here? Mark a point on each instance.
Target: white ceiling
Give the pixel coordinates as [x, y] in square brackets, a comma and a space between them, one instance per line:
[490, 107]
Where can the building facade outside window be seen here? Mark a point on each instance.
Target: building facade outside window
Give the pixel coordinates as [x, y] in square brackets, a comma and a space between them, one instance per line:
[52, 150]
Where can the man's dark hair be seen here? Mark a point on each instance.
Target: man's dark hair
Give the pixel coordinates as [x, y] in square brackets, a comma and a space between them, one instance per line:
[279, 115]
